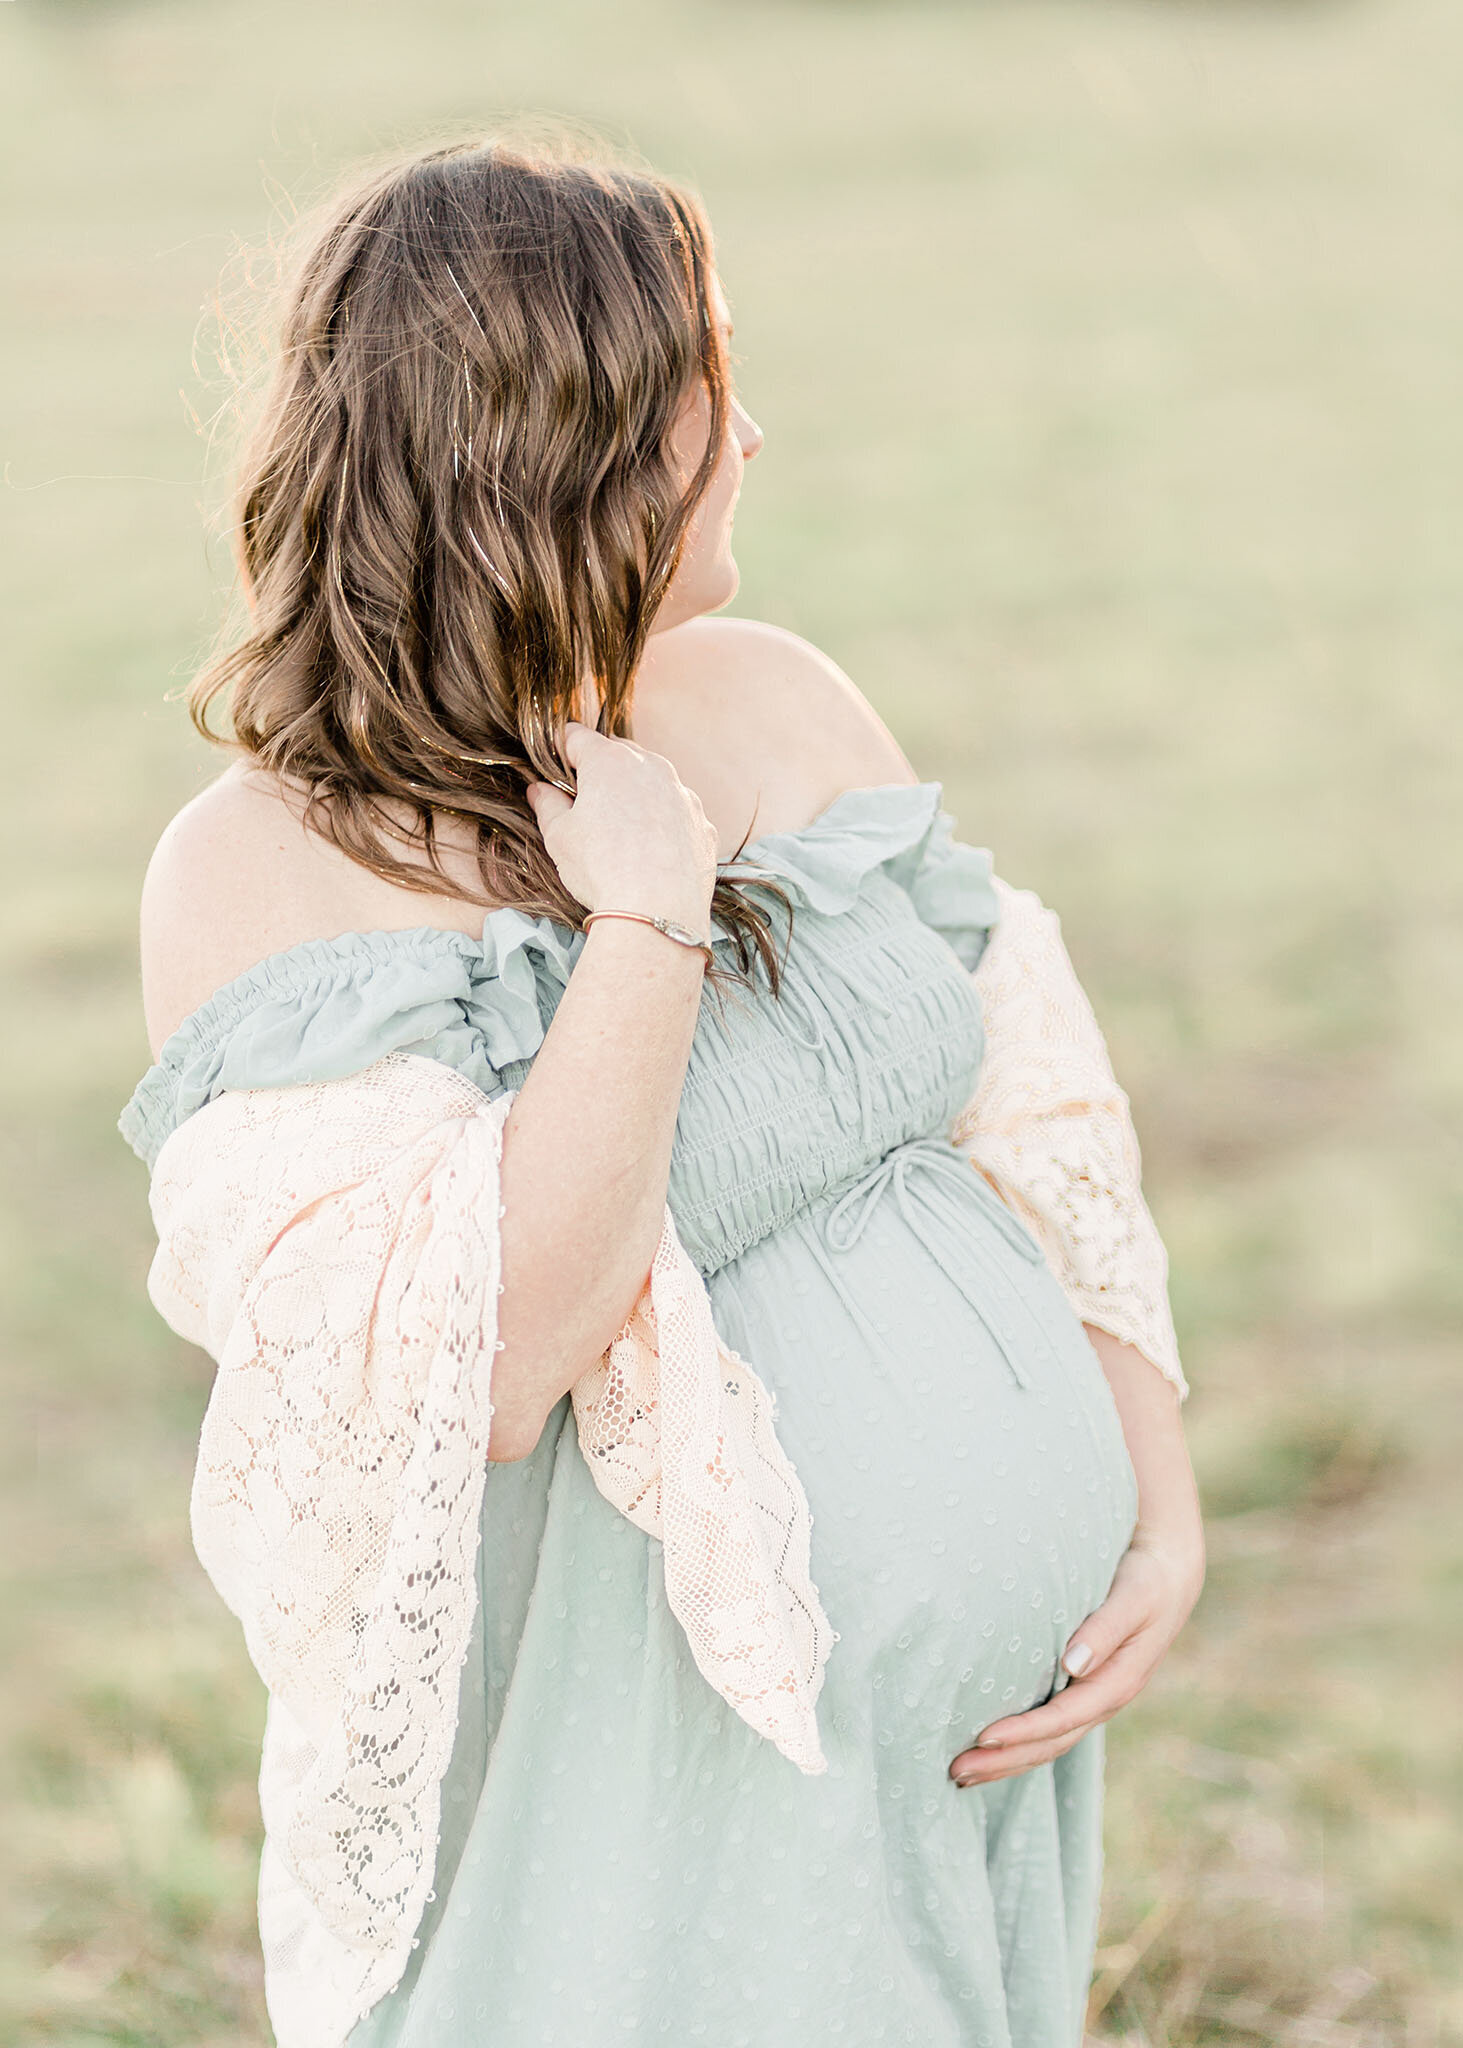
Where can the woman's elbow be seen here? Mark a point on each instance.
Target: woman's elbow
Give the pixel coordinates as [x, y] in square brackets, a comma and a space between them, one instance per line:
[522, 1403]
[514, 1429]
[511, 1446]
[529, 1380]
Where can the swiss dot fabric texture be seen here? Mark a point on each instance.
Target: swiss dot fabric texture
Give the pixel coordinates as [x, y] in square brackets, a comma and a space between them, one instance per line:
[621, 1857]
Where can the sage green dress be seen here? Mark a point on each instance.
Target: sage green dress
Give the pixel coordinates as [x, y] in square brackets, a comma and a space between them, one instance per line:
[622, 1858]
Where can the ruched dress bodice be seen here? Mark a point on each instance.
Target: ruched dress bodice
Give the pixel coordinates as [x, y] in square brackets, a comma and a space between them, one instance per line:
[620, 1856]
[874, 1041]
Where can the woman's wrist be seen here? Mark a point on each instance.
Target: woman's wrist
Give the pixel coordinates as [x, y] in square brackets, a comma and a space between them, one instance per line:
[1170, 1525]
[673, 897]
[692, 935]
[1174, 1537]
[637, 936]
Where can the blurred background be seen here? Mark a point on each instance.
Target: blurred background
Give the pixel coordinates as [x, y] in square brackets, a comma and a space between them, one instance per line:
[1109, 360]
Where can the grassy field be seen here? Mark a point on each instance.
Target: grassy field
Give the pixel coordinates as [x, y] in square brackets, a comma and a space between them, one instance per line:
[1108, 357]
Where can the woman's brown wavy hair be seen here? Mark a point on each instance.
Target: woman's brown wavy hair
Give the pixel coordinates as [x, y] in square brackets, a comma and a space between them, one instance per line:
[459, 501]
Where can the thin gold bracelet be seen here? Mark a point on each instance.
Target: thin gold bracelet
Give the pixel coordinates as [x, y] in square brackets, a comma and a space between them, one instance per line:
[672, 930]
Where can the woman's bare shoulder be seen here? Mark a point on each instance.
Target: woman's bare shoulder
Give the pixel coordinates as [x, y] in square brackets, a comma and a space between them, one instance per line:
[746, 708]
[765, 727]
[237, 876]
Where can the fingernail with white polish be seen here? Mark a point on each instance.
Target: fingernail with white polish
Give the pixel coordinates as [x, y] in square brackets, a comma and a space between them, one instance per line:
[1078, 1658]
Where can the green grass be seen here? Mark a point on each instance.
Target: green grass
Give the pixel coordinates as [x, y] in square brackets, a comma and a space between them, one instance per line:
[1108, 359]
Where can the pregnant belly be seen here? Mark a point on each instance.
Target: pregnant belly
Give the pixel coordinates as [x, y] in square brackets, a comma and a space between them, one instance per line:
[970, 1487]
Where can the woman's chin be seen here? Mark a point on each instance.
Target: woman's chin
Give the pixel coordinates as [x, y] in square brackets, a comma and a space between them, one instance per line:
[721, 587]
[712, 589]
[731, 583]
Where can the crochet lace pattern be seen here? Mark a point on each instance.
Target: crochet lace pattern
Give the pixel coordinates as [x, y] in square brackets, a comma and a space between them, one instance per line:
[1052, 1132]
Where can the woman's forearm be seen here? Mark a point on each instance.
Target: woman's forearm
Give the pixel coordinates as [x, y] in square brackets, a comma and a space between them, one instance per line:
[586, 1162]
[1148, 1408]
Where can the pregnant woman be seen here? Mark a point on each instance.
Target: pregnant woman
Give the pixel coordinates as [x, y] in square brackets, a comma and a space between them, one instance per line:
[695, 1447]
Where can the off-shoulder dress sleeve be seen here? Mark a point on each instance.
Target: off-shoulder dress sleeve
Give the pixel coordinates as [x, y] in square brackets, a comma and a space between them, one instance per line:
[329, 1008]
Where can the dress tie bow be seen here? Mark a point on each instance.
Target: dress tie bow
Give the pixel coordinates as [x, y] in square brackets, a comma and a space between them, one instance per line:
[971, 1269]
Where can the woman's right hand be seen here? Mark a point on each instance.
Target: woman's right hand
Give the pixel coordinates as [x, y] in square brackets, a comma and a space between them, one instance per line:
[632, 837]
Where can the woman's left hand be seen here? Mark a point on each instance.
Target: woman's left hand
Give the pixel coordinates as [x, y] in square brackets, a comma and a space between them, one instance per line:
[1153, 1593]
[1115, 1652]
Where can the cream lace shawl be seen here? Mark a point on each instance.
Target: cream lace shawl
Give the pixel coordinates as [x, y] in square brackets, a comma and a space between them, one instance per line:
[334, 1246]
